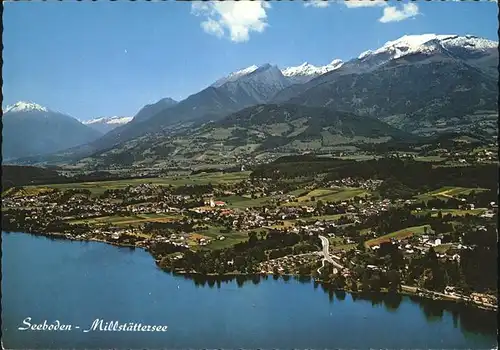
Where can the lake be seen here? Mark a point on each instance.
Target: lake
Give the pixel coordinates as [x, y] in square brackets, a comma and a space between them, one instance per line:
[78, 282]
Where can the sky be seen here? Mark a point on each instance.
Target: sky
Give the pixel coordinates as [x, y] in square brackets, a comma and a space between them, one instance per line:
[103, 58]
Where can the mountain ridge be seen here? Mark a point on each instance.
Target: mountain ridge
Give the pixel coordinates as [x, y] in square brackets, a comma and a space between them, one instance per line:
[410, 83]
[30, 129]
[106, 124]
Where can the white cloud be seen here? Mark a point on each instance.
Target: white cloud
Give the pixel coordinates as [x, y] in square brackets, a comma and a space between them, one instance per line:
[212, 27]
[393, 14]
[317, 3]
[364, 3]
[234, 19]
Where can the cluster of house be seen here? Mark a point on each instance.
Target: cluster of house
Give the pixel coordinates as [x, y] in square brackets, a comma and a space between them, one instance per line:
[213, 203]
[257, 188]
[116, 233]
[266, 217]
[479, 298]
[422, 244]
[290, 263]
[464, 156]
[402, 155]
[351, 182]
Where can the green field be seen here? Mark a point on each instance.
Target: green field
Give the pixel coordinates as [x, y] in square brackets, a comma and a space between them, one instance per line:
[286, 224]
[332, 217]
[25, 191]
[240, 202]
[329, 195]
[445, 193]
[133, 220]
[228, 242]
[401, 234]
[429, 158]
[442, 248]
[99, 187]
[453, 212]
[291, 223]
[359, 157]
[231, 238]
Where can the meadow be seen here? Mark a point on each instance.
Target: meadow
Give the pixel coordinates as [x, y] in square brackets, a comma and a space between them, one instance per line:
[132, 220]
[444, 193]
[98, 187]
[453, 212]
[329, 195]
[399, 235]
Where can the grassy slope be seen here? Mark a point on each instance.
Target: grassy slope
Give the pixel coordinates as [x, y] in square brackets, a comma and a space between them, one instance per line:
[401, 234]
[199, 179]
[447, 192]
[329, 195]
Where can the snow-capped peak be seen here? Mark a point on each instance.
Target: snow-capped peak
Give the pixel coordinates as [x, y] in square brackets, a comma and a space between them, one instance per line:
[410, 44]
[470, 42]
[108, 120]
[23, 106]
[235, 75]
[309, 69]
[336, 62]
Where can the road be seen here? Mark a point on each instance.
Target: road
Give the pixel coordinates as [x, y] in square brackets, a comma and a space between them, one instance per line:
[326, 255]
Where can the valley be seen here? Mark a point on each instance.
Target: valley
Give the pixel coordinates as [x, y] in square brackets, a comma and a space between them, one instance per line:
[257, 172]
[267, 112]
[308, 174]
[383, 223]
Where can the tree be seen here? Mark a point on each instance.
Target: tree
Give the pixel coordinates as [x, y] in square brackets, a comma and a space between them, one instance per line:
[320, 205]
[339, 281]
[361, 246]
[252, 240]
[394, 279]
[365, 283]
[354, 286]
[375, 283]
[431, 259]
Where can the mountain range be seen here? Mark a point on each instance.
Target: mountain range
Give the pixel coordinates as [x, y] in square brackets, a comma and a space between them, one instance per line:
[106, 124]
[417, 84]
[30, 129]
[255, 130]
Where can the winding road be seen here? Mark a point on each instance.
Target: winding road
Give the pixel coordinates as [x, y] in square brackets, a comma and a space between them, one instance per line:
[327, 257]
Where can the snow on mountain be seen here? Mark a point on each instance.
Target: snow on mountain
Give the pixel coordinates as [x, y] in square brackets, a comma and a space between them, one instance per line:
[23, 106]
[306, 71]
[105, 124]
[256, 86]
[235, 75]
[119, 120]
[268, 74]
[470, 42]
[427, 43]
[108, 120]
[30, 129]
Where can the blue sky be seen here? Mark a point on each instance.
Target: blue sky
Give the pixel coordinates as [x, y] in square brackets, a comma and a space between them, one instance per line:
[91, 59]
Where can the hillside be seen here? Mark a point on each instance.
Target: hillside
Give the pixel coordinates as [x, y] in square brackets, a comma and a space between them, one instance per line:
[106, 124]
[14, 176]
[425, 98]
[217, 101]
[420, 83]
[30, 129]
[256, 131]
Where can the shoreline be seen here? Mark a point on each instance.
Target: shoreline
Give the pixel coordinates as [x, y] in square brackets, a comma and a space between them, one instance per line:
[403, 290]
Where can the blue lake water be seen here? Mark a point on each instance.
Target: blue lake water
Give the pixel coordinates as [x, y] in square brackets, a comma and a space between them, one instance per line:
[78, 282]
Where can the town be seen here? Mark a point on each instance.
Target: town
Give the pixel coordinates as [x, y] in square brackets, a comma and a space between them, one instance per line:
[341, 231]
